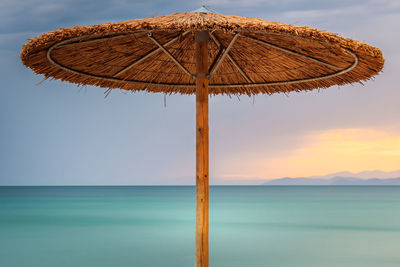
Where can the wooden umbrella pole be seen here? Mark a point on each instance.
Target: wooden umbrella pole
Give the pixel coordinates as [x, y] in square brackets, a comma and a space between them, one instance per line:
[201, 40]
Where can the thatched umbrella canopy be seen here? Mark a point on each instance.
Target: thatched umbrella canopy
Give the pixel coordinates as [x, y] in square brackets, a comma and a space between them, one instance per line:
[201, 53]
[245, 55]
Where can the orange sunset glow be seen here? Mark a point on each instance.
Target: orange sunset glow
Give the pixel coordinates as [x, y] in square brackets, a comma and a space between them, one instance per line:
[353, 150]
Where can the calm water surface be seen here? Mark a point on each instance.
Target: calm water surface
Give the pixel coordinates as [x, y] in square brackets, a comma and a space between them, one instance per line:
[344, 226]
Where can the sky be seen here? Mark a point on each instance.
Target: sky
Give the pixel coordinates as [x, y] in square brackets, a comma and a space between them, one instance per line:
[53, 133]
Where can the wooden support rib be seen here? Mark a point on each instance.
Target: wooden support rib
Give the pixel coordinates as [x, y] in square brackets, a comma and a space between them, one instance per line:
[151, 53]
[292, 52]
[232, 60]
[98, 39]
[240, 70]
[171, 56]
[224, 54]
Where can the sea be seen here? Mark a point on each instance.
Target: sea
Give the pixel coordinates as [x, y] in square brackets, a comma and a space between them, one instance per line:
[152, 226]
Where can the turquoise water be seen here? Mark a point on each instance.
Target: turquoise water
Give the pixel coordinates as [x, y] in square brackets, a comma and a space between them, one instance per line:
[154, 226]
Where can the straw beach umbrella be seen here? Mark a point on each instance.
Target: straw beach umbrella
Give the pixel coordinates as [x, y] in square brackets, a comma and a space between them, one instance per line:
[201, 53]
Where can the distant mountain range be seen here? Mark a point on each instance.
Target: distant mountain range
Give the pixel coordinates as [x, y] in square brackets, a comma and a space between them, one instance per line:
[342, 178]
[333, 181]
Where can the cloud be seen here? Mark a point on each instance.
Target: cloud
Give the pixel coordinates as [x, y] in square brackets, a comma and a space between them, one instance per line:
[314, 13]
[349, 14]
[46, 15]
[237, 3]
[386, 3]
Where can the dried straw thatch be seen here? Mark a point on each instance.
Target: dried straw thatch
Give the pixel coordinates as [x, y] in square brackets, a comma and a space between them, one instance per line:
[157, 54]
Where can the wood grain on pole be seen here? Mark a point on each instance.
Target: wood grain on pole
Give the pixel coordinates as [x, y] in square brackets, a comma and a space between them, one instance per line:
[201, 39]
